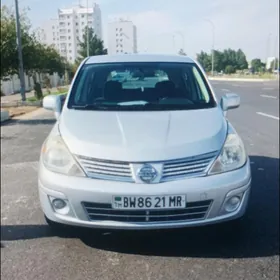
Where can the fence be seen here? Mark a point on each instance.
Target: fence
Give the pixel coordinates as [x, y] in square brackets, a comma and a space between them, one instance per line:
[12, 85]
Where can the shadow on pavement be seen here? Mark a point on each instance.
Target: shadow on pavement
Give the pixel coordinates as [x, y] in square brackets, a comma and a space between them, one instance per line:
[258, 235]
[28, 122]
[7, 137]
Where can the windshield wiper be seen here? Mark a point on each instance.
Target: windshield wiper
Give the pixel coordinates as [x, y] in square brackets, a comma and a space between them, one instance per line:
[132, 107]
[91, 107]
[141, 107]
[118, 107]
[96, 106]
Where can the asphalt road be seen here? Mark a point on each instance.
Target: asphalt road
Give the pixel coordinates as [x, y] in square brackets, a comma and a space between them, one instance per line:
[30, 251]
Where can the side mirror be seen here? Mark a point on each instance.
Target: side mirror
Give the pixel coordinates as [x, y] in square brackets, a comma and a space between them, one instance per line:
[53, 103]
[230, 101]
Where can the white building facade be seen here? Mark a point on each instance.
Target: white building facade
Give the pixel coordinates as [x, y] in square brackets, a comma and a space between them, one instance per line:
[49, 34]
[67, 30]
[122, 37]
[269, 61]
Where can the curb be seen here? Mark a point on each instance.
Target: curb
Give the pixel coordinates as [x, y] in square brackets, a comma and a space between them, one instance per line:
[6, 104]
[4, 116]
[25, 116]
[30, 115]
[239, 80]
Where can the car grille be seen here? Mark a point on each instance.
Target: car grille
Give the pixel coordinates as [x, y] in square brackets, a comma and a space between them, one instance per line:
[192, 166]
[105, 212]
[172, 170]
[105, 169]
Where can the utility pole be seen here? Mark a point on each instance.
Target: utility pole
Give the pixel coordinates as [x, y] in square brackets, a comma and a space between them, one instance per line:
[87, 32]
[19, 46]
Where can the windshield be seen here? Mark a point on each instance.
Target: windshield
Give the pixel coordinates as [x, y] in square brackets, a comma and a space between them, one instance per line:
[140, 86]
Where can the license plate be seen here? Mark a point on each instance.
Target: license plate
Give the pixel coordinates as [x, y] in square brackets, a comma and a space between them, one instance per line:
[149, 202]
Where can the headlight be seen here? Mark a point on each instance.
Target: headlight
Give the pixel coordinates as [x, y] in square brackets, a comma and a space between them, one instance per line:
[232, 156]
[57, 158]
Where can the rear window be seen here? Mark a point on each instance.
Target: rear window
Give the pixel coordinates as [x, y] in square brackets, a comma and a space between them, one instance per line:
[140, 86]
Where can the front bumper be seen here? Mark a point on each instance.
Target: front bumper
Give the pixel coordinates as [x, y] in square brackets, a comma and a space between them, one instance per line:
[77, 190]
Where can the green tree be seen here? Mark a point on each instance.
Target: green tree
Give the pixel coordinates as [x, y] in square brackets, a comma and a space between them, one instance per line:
[241, 60]
[222, 59]
[205, 61]
[257, 65]
[36, 56]
[229, 59]
[229, 69]
[96, 46]
[218, 61]
[181, 52]
[52, 62]
[8, 47]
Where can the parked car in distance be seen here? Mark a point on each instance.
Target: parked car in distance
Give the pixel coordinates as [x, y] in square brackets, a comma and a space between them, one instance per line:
[142, 154]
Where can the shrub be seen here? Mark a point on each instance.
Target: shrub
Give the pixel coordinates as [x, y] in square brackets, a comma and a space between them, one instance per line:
[229, 69]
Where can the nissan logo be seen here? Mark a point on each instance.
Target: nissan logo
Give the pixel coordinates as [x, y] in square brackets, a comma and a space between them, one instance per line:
[147, 173]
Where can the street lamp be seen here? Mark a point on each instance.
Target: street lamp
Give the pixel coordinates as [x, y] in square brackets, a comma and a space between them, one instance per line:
[213, 43]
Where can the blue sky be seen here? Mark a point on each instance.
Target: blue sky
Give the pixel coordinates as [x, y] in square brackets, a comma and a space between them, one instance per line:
[244, 24]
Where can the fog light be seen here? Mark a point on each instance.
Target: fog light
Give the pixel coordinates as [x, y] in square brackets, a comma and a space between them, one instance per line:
[232, 204]
[58, 203]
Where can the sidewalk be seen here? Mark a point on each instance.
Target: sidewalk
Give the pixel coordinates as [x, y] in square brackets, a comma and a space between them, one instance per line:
[12, 106]
[17, 96]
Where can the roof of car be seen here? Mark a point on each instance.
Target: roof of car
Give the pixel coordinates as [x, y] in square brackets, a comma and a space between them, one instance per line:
[138, 58]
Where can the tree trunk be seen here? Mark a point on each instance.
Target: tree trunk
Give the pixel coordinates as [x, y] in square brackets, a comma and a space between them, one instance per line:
[37, 88]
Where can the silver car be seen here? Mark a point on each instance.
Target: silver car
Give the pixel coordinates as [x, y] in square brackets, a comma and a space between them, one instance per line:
[143, 153]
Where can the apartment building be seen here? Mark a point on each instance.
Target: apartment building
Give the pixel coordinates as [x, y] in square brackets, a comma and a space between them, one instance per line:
[122, 37]
[67, 30]
[49, 34]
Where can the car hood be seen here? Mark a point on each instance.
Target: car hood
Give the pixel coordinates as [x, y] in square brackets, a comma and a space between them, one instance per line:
[143, 136]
